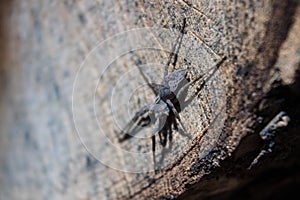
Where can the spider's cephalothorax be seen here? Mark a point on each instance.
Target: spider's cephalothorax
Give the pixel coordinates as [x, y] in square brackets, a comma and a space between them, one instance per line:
[171, 99]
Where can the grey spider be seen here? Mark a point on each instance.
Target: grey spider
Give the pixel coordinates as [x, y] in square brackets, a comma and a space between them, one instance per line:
[170, 100]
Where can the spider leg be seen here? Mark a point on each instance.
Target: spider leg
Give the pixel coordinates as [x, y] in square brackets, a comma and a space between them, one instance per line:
[204, 81]
[164, 149]
[176, 114]
[153, 150]
[177, 42]
[134, 129]
[175, 125]
[183, 133]
[154, 87]
[163, 133]
[163, 141]
[160, 136]
[166, 132]
[180, 130]
[140, 120]
[170, 135]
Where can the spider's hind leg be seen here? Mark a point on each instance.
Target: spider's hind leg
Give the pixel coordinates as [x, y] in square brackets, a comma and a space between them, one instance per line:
[153, 151]
[170, 135]
[163, 134]
[176, 114]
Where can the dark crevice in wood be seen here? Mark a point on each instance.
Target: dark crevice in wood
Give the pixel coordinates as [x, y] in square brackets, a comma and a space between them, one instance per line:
[276, 171]
[268, 174]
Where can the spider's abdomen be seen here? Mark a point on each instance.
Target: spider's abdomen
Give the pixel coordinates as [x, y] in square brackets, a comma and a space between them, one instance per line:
[176, 79]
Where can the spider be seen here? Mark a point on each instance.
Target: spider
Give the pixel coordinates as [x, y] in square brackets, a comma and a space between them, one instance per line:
[171, 94]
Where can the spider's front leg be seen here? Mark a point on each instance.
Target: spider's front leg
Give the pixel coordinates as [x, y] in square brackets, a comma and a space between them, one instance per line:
[204, 79]
[140, 120]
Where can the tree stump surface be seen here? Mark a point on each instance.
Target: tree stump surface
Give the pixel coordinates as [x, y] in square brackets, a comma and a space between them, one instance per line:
[69, 80]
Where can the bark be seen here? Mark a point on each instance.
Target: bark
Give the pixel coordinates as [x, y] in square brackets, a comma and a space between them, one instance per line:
[62, 63]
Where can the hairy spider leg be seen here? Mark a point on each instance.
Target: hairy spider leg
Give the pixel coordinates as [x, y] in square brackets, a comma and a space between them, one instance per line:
[152, 86]
[170, 131]
[162, 142]
[163, 134]
[161, 139]
[205, 80]
[141, 119]
[176, 114]
[178, 129]
[155, 87]
[177, 42]
[175, 126]
[136, 129]
[168, 134]
[171, 120]
[153, 150]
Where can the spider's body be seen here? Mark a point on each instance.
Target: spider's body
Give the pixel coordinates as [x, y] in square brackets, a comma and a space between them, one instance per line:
[170, 100]
[161, 112]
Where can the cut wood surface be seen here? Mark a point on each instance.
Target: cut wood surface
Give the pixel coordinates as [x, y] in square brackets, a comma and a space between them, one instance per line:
[70, 82]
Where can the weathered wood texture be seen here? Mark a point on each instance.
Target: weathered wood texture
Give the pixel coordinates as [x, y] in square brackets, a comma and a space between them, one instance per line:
[43, 46]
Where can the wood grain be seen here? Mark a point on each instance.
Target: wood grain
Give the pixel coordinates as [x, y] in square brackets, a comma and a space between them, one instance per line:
[64, 57]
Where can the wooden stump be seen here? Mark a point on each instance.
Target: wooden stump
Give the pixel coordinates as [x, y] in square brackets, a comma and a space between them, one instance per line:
[69, 79]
